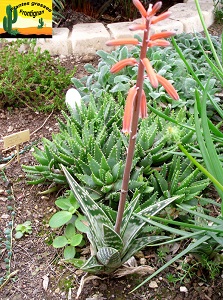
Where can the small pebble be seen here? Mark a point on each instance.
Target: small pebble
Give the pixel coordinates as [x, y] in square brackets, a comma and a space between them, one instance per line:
[153, 284]
[142, 261]
[183, 289]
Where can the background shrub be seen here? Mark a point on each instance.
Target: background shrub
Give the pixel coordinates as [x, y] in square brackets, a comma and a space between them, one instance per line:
[31, 78]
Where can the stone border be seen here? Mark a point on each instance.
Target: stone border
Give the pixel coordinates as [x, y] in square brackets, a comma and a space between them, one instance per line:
[87, 38]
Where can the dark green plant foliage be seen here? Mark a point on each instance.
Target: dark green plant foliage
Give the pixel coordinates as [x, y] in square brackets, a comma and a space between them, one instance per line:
[178, 178]
[156, 136]
[31, 78]
[218, 10]
[58, 10]
[93, 149]
[165, 61]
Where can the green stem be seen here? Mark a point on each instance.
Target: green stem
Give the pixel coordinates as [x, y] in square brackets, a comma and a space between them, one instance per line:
[133, 134]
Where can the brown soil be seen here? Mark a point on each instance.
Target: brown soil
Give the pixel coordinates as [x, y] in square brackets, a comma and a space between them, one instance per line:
[37, 272]
[35, 261]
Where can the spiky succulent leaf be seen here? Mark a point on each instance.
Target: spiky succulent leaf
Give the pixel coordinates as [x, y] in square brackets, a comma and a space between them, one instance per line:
[135, 224]
[177, 178]
[152, 210]
[112, 214]
[111, 238]
[140, 243]
[128, 213]
[94, 214]
[109, 257]
[92, 265]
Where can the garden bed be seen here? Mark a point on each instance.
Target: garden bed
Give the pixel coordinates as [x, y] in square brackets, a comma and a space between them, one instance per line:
[36, 268]
[36, 262]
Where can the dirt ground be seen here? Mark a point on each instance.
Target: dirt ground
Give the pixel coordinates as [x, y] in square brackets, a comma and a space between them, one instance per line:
[35, 262]
[37, 270]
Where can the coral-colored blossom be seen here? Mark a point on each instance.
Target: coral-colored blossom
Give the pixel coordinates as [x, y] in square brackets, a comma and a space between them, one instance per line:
[120, 42]
[157, 39]
[160, 43]
[127, 119]
[134, 27]
[123, 63]
[156, 7]
[140, 7]
[150, 72]
[143, 106]
[168, 87]
[162, 35]
[161, 17]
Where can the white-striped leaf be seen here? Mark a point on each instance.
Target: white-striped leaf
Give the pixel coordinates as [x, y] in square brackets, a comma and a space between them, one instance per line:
[109, 257]
[140, 243]
[111, 238]
[92, 265]
[94, 214]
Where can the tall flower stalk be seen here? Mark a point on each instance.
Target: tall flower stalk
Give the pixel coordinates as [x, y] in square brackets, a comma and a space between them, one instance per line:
[136, 105]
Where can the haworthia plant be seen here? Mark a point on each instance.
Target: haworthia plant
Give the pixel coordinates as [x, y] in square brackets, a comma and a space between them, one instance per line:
[92, 147]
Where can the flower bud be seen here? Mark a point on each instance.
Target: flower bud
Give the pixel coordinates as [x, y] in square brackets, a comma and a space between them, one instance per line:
[120, 42]
[150, 72]
[122, 64]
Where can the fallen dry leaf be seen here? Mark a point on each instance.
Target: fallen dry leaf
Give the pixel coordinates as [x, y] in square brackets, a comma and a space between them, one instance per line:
[141, 270]
[84, 280]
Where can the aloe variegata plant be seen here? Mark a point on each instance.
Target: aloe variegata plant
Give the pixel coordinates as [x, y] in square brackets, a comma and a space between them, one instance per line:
[116, 236]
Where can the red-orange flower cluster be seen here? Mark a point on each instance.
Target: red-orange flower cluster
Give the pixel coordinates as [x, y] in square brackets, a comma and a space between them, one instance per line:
[157, 39]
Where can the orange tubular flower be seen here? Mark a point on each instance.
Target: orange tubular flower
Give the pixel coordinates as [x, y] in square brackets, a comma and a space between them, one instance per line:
[120, 42]
[162, 35]
[160, 43]
[143, 106]
[168, 87]
[127, 119]
[156, 7]
[140, 8]
[150, 72]
[134, 27]
[161, 17]
[123, 63]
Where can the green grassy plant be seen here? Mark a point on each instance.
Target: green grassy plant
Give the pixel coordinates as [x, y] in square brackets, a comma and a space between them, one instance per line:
[58, 10]
[218, 5]
[33, 78]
